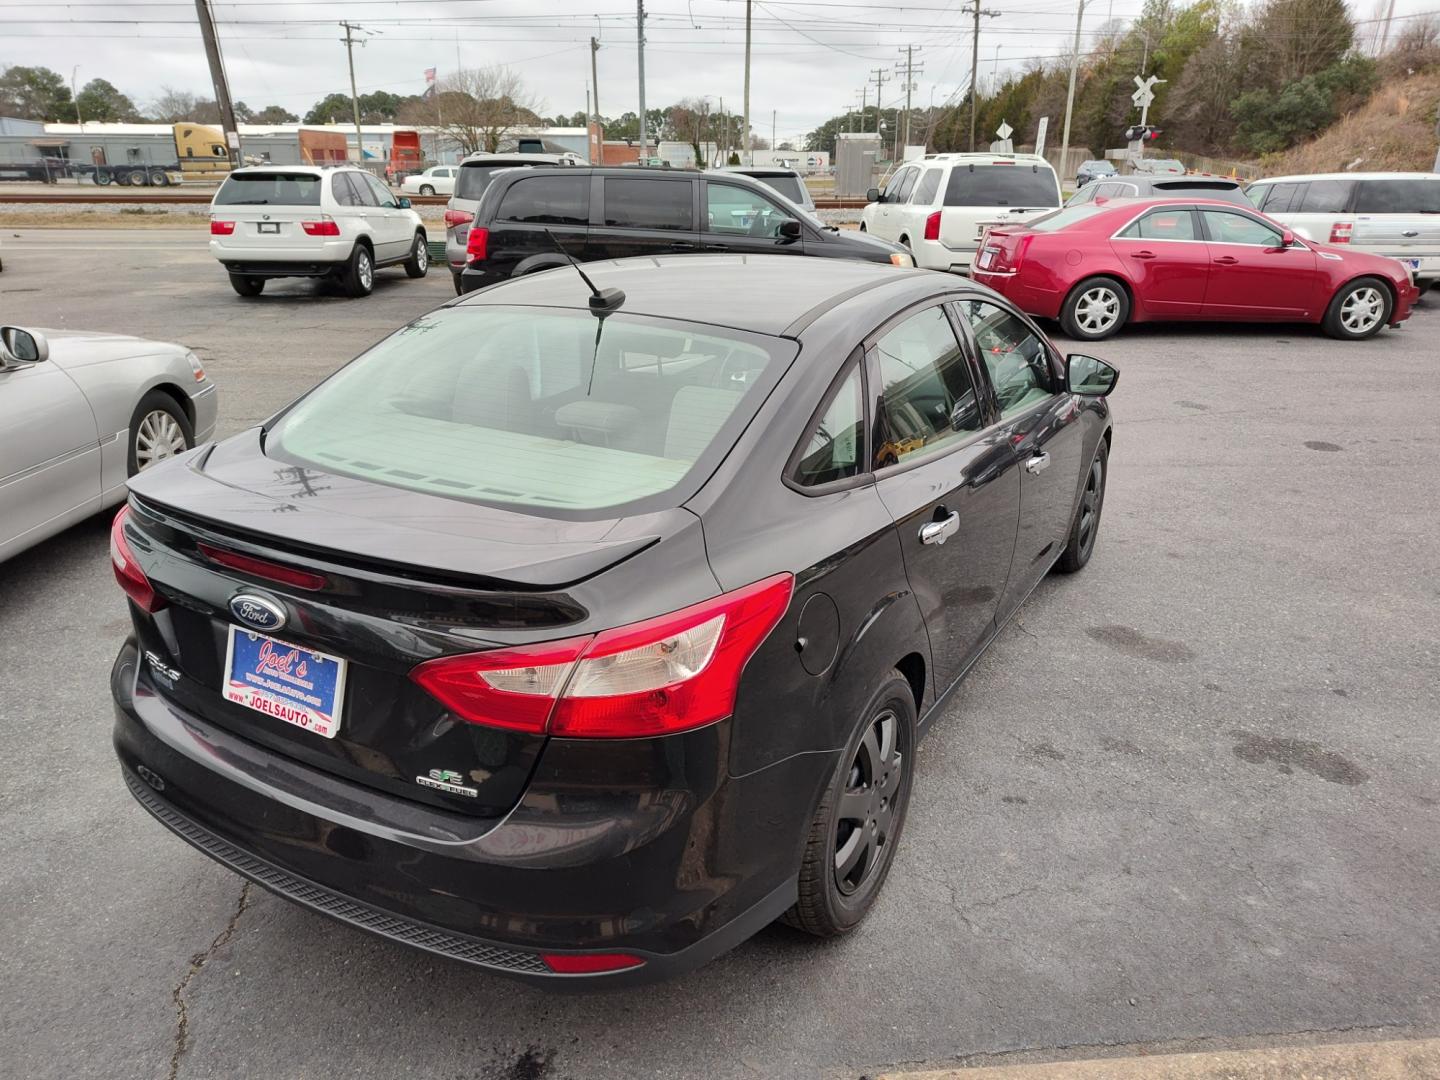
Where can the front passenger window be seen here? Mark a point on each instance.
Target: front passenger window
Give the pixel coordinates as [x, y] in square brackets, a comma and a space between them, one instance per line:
[739, 212]
[1014, 355]
[927, 395]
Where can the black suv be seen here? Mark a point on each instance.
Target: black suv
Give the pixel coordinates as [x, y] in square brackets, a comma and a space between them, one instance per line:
[612, 213]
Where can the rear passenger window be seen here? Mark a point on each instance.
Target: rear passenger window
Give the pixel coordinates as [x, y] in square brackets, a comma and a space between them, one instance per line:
[548, 200]
[1163, 225]
[1418, 196]
[832, 448]
[649, 204]
[1013, 354]
[928, 398]
[345, 192]
[1326, 196]
[926, 190]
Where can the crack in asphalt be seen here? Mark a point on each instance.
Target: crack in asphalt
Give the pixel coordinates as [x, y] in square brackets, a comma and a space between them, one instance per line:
[198, 961]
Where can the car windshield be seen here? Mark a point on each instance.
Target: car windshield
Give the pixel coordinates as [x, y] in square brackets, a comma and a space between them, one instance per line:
[474, 179]
[789, 186]
[1001, 185]
[270, 189]
[541, 408]
[1062, 218]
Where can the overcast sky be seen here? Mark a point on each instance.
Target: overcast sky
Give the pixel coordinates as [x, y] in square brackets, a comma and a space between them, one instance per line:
[810, 57]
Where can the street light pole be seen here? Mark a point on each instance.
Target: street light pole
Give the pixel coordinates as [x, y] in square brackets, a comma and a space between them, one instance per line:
[749, 153]
[640, 40]
[595, 81]
[1070, 93]
[76, 95]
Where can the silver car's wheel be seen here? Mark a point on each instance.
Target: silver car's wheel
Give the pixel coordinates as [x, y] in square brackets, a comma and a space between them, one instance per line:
[157, 438]
[1358, 310]
[1362, 309]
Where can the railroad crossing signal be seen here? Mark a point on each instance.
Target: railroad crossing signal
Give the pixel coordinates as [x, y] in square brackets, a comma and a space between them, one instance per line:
[1145, 94]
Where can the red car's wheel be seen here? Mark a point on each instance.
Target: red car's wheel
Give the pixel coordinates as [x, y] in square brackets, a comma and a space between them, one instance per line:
[1095, 309]
[1358, 310]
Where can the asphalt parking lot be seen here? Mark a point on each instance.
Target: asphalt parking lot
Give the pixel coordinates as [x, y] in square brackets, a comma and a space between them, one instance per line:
[1191, 795]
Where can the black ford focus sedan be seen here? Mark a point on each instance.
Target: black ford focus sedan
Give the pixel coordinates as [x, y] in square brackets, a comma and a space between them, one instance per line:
[578, 631]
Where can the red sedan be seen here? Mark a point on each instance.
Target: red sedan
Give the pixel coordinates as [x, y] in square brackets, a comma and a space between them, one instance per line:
[1097, 267]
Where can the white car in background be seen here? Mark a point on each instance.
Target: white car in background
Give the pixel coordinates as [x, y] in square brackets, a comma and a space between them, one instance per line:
[938, 205]
[80, 413]
[277, 221]
[436, 180]
[1387, 213]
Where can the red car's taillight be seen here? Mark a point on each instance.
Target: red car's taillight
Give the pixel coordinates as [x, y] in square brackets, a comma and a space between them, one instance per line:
[127, 571]
[221, 228]
[323, 227]
[458, 217]
[475, 244]
[932, 226]
[1340, 232]
[1020, 249]
[589, 963]
[667, 674]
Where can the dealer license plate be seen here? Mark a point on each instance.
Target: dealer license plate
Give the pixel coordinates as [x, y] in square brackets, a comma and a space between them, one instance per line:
[987, 257]
[1413, 264]
[268, 227]
[295, 684]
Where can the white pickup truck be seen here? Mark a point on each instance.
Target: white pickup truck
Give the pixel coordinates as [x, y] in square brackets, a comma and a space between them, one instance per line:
[938, 205]
[1395, 214]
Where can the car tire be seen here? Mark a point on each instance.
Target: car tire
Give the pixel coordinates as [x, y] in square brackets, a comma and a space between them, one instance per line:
[1358, 310]
[158, 178]
[418, 264]
[459, 285]
[103, 178]
[426, 189]
[862, 227]
[1424, 286]
[139, 178]
[1096, 308]
[1086, 527]
[359, 275]
[834, 899]
[247, 286]
[159, 429]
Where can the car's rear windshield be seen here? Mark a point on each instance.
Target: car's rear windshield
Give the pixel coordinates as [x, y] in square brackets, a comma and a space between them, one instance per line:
[789, 186]
[542, 408]
[1220, 190]
[474, 179]
[1001, 185]
[1417, 196]
[270, 189]
[1061, 218]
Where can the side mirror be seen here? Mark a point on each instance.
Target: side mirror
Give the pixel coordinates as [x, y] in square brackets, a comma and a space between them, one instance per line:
[1088, 376]
[790, 229]
[24, 345]
[1287, 238]
[873, 195]
[402, 203]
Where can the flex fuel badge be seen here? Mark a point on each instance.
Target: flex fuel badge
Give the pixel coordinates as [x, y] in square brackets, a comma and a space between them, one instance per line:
[447, 780]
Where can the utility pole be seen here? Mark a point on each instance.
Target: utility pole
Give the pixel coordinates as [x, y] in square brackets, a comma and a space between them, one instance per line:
[974, 8]
[910, 70]
[772, 131]
[1070, 93]
[640, 40]
[595, 81]
[354, 95]
[218, 80]
[75, 94]
[878, 74]
[749, 151]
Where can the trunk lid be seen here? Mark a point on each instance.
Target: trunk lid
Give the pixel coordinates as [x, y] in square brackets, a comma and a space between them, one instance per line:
[1001, 249]
[1406, 235]
[392, 601]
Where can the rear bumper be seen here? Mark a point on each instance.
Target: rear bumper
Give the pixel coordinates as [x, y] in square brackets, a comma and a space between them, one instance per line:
[647, 848]
[934, 255]
[479, 275]
[1039, 302]
[311, 260]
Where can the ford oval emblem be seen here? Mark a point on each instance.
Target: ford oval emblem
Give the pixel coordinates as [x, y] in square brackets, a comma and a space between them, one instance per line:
[257, 612]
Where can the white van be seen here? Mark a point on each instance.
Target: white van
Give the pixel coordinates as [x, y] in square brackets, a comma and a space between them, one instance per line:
[1395, 214]
[938, 205]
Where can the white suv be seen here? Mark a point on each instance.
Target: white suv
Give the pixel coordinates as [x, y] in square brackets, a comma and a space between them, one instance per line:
[1395, 214]
[275, 221]
[938, 205]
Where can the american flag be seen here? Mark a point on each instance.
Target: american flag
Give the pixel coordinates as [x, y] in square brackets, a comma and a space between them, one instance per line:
[429, 75]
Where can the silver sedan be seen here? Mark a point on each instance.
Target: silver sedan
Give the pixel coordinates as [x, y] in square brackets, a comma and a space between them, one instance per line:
[80, 413]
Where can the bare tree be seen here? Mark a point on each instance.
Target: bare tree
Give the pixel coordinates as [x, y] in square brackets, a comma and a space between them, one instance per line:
[476, 108]
[689, 119]
[173, 106]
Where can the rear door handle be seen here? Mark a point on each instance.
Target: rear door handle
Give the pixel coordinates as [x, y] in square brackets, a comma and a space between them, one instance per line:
[1227, 260]
[1037, 463]
[682, 245]
[1142, 255]
[937, 532]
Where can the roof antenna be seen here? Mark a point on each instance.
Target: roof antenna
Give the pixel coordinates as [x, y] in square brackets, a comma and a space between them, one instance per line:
[602, 301]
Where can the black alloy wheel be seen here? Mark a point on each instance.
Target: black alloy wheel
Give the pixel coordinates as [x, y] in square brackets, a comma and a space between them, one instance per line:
[857, 826]
[1087, 515]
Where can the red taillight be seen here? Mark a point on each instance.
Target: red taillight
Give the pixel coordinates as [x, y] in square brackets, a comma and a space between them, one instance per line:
[263, 568]
[127, 571]
[932, 226]
[221, 228]
[1340, 232]
[323, 227]
[663, 675]
[589, 963]
[475, 244]
[458, 217]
